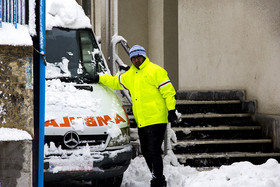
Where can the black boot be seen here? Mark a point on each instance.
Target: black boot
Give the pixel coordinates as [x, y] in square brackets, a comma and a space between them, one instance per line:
[158, 182]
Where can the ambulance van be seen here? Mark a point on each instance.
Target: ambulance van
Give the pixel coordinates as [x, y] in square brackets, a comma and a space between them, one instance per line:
[87, 134]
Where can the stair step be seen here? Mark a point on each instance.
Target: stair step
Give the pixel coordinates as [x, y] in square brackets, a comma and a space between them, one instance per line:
[229, 154]
[228, 145]
[211, 95]
[193, 102]
[213, 106]
[214, 115]
[219, 132]
[201, 142]
[199, 120]
[218, 159]
[207, 115]
[219, 128]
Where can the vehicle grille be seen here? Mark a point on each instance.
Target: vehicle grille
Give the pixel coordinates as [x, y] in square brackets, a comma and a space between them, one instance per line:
[91, 140]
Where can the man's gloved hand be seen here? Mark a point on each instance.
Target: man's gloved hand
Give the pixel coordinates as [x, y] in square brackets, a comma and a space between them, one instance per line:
[172, 117]
[95, 79]
[89, 80]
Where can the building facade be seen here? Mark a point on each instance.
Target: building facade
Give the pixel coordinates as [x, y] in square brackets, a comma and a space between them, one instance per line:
[205, 45]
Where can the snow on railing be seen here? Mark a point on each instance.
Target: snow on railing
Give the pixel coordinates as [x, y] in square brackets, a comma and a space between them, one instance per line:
[13, 11]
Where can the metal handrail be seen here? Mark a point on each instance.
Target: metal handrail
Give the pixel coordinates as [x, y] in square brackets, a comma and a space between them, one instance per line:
[116, 60]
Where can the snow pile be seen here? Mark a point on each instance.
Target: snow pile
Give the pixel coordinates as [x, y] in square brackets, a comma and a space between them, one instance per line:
[13, 134]
[59, 13]
[78, 125]
[79, 160]
[52, 149]
[113, 130]
[66, 14]
[241, 174]
[9, 35]
[76, 160]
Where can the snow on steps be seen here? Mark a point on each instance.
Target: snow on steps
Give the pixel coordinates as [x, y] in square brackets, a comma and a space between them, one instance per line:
[217, 129]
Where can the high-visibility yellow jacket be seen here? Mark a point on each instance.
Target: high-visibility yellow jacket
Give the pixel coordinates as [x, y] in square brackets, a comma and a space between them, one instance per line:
[151, 92]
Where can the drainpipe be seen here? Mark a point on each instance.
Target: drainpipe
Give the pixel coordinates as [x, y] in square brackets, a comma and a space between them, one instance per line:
[116, 14]
[42, 41]
[108, 32]
[114, 58]
[114, 49]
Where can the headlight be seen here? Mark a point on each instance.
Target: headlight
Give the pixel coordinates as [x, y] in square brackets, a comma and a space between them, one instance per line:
[122, 139]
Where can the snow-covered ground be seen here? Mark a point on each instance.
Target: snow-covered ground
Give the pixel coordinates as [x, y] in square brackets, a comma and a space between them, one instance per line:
[241, 174]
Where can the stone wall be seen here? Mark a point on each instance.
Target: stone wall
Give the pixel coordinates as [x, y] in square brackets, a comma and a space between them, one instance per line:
[16, 111]
[16, 88]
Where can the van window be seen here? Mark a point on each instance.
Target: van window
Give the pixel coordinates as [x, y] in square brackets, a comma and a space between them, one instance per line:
[92, 59]
[72, 53]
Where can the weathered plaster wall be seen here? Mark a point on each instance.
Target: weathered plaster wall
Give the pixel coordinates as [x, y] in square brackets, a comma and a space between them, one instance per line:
[16, 163]
[156, 31]
[231, 45]
[133, 25]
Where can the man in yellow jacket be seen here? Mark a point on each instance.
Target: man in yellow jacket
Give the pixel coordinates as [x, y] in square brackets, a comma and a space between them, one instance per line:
[153, 98]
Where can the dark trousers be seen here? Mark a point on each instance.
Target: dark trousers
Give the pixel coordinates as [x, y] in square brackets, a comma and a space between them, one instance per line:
[151, 138]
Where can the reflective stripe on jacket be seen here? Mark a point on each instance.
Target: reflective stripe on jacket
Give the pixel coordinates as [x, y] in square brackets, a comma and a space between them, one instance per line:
[151, 92]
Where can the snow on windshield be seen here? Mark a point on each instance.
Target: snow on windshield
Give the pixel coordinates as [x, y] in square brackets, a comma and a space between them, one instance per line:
[69, 100]
[66, 14]
[55, 70]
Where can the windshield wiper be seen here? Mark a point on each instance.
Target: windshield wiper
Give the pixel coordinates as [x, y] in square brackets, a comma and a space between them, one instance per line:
[81, 87]
[78, 80]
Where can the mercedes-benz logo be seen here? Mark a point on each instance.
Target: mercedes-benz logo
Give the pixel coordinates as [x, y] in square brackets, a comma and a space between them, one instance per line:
[71, 139]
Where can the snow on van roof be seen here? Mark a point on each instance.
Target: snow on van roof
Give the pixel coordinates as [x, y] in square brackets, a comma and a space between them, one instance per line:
[66, 14]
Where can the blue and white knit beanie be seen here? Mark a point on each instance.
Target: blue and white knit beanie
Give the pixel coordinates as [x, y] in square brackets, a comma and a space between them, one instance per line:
[137, 50]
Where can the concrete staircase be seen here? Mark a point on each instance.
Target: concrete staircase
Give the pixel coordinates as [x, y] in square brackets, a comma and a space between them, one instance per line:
[217, 129]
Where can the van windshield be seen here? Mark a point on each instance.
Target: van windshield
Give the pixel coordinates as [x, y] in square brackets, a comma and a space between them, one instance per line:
[72, 53]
